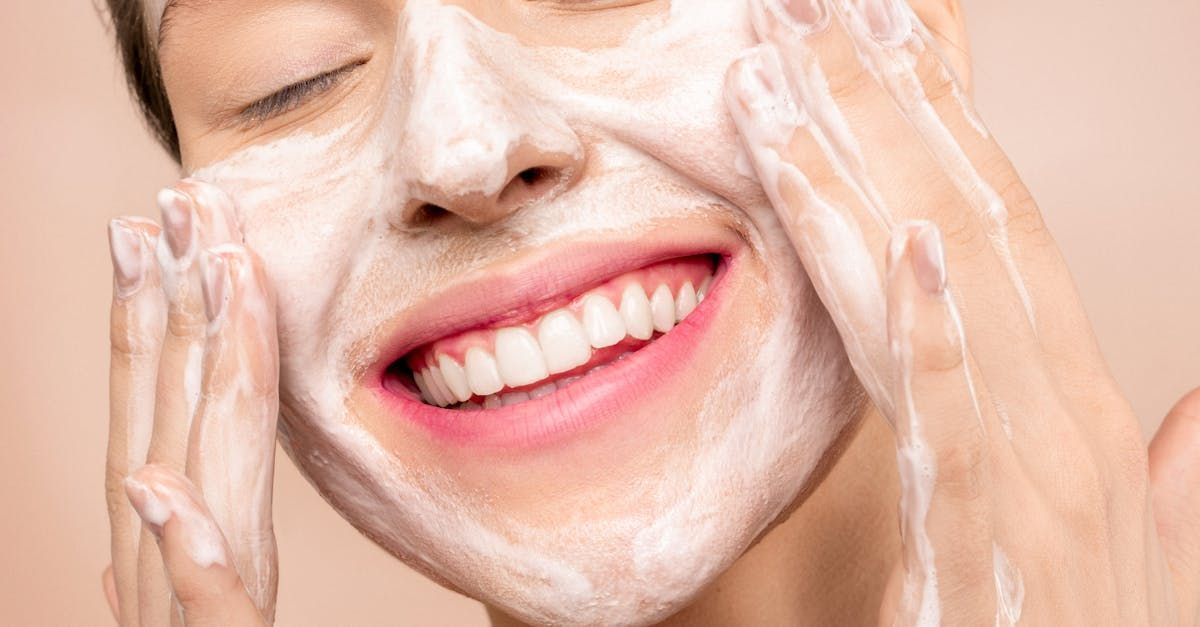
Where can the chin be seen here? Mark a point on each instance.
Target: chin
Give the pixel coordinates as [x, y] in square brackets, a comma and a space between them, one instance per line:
[503, 438]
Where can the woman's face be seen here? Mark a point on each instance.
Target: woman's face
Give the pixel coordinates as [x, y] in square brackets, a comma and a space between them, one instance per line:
[440, 171]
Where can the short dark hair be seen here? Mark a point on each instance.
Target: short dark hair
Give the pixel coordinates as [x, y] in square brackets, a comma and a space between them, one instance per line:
[143, 73]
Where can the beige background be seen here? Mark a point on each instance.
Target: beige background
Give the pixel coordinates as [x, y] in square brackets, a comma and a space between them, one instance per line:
[1095, 101]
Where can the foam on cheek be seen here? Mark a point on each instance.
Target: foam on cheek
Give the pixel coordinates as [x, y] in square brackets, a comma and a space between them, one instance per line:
[326, 215]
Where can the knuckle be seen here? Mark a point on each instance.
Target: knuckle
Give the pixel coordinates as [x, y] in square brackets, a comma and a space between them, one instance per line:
[1083, 498]
[964, 238]
[1022, 217]
[938, 82]
[936, 349]
[212, 590]
[803, 152]
[128, 341]
[962, 468]
[972, 577]
[850, 83]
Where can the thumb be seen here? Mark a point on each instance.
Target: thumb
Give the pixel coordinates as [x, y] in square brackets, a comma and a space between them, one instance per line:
[1175, 489]
[195, 554]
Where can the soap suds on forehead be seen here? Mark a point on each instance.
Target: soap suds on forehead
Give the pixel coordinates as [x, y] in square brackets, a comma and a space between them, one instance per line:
[648, 120]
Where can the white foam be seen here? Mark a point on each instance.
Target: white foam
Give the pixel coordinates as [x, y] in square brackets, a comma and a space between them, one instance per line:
[325, 212]
[1010, 589]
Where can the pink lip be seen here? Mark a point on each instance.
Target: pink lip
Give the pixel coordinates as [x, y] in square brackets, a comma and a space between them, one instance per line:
[531, 284]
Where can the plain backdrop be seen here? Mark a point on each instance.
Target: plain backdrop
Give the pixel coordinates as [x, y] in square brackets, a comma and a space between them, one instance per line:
[1095, 100]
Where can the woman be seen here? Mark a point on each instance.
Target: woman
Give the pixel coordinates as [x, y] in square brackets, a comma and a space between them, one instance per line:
[618, 313]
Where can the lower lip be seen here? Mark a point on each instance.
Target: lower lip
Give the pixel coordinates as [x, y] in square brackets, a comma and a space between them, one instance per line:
[593, 400]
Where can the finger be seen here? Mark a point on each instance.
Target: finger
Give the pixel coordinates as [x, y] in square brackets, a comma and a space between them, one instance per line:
[942, 455]
[231, 452]
[138, 318]
[1175, 489]
[189, 226]
[109, 583]
[195, 554]
[824, 215]
[898, 50]
[875, 149]
[924, 86]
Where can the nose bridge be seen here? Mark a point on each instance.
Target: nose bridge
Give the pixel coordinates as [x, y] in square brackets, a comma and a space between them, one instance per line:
[472, 131]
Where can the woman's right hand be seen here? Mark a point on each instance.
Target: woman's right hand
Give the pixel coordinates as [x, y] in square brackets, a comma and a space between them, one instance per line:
[193, 406]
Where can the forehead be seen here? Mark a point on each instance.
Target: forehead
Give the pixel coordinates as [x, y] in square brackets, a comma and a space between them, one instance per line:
[555, 23]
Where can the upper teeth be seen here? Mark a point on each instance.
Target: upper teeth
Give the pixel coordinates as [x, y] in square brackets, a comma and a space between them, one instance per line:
[563, 342]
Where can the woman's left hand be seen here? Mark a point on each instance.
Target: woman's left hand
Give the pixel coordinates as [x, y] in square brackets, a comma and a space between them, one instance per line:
[1027, 490]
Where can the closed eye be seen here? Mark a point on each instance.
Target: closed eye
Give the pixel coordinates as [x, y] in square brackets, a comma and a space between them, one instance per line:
[294, 96]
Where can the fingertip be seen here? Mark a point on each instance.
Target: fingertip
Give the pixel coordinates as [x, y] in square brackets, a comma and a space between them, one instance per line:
[1174, 457]
[108, 583]
[127, 249]
[175, 513]
[178, 216]
[194, 551]
[1175, 448]
[929, 259]
[217, 208]
[924, 328]
[1189, 405]
[146, 501]
[921, 241]
[759, 98]
[242, 271]
[215, 284]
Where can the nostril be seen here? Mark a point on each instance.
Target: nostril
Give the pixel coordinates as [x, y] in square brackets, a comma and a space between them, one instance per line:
[532, 175]
[528, 184]
[427, 213]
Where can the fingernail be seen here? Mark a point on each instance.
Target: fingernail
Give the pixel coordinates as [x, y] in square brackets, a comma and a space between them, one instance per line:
[149, 507]
[929, 259]
[177, 220]
[216, 285]
[888, 21]
[805, 14]
[760, 99]
[129, 262]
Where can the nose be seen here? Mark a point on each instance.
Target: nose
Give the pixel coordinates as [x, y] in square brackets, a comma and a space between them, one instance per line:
[479, 148]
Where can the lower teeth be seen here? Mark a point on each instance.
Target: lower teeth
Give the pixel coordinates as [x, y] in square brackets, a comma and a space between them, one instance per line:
[512, 398]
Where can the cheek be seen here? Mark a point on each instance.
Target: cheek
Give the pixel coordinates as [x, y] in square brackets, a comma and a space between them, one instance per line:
[673, 505]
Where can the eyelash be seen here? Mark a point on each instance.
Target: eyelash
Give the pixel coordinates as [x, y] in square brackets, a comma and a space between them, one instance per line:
[293, 96]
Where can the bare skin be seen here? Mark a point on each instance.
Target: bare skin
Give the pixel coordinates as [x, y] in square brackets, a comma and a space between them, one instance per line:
[1120, 520]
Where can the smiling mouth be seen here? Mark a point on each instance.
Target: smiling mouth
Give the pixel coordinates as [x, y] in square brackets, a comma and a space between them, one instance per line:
[500, 366]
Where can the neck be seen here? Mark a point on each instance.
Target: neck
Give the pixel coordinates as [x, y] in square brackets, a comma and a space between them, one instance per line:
[827, 563]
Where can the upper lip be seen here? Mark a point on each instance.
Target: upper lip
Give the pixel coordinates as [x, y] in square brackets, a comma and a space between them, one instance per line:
[533, 282]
